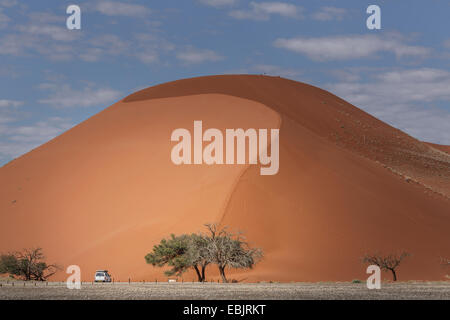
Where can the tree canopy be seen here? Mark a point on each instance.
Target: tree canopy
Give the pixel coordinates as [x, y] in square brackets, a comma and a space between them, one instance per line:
[198, 250]
[180, 253]
[226, 249]
[28, 264]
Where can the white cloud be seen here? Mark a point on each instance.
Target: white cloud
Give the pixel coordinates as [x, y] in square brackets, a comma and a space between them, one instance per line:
[8, 3]
[10, 150]
[101, 46]
[150, 46]
[44, 34]
[49, 26]
[330, 13]
[9, 103]
[148, 57]
[405, 99]
[9, 71]
[5, 119]
[263, 11]
[8, 110]
[350, 47]
[40, 131]
[194, 56]
[145, 47]
[37, 17]
[4, 20]
[17, 138]
[15, 141]
[405, 86]
[116, 8]
[64, 96]
[218, 3]
[347, 75]
[447, 43]
[54, 32]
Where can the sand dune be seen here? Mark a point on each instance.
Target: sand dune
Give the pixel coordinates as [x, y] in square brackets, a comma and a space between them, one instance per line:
[103, 193]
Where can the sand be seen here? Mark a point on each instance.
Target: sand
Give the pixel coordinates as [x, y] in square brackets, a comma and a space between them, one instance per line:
[103, 193]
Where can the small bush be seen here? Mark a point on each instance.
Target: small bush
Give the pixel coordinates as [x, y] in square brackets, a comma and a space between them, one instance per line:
[356, 281]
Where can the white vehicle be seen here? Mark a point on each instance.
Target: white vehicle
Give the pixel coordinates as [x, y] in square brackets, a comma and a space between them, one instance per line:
[102, 276]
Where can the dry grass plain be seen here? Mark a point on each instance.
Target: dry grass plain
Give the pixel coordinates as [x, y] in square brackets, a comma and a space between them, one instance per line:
[216, 291]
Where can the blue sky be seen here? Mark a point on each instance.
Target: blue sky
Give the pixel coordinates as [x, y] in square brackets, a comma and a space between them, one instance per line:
[52, 78]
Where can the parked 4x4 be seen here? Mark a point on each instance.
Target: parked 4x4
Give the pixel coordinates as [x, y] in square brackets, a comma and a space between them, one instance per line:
[102, 276]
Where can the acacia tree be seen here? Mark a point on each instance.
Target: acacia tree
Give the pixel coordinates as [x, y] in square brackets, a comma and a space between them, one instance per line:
[229, 250]
[28, 264]
[388, 263]
[198, 255]
[180, 253]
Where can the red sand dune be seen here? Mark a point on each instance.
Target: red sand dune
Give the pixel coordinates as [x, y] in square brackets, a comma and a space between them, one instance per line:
[103, 193]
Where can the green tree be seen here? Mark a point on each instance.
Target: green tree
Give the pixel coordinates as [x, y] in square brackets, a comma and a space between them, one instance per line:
[180, 253]
[198, 255]
[9, 264]
[28, 264]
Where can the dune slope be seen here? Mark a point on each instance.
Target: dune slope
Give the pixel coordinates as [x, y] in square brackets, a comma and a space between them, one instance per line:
[103, 193]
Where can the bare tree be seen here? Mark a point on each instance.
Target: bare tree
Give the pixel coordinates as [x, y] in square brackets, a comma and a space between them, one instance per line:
[387, 263]
[28, 264]
[230, 250]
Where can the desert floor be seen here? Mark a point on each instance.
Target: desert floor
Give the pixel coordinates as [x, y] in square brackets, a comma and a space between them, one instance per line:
[215, 291]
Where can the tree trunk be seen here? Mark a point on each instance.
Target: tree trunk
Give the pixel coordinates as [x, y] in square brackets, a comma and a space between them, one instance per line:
[394, 274]
[222, 274]
[199, 276]
[203, 272]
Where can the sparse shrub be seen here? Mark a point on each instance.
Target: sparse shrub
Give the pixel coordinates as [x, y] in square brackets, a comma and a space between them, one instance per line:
[356, 281]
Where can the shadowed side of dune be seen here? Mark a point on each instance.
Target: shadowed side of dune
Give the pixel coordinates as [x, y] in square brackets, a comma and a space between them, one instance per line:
[328, 207]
